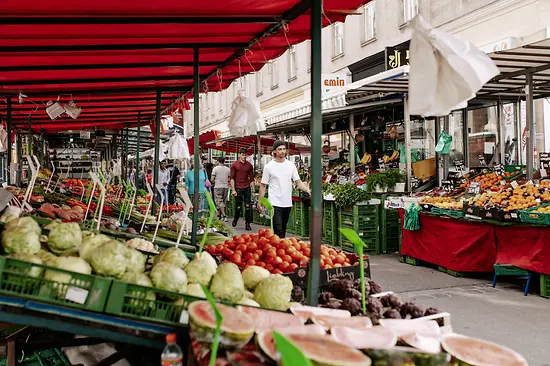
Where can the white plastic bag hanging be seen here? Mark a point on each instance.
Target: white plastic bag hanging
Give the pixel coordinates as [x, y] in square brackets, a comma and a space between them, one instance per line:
[445, 71]
[3, 139]
[177, 148]
[246, 117]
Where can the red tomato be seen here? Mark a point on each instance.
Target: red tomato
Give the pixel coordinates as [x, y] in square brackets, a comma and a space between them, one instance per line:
[292, 267]
[322, 263]
[281, 252]
[328, 261]
[307, 252]
[261, 264]
[337, 265]
[248, 255]
[267, 247]
[286, 242]
[241, 241]
[220, 248]
[242, 248]
[256, 257]
[251, 262]
[235, 258]
[296, 246]
[284, 266]
[293, 240]
[287, 258]
[347, 264]
[268, 234]
[259, 253]
[271, 253]
[277, 271]
[236, 237]
[277, 261]
[232, 245]
[296, 257]
[246, 237]
[269, 267]
[252, 246]
[303, 245]
[227, 253]
[261, 232]
[274, 240]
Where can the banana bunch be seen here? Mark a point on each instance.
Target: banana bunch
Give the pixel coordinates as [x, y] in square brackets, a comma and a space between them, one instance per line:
[394, 156]
[366, 158]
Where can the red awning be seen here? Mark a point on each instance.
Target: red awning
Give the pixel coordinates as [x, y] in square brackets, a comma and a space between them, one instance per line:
[110, 56]
[250, 143]
[204, 139]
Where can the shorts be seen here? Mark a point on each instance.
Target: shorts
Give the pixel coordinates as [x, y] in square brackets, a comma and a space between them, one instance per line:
[220, 196]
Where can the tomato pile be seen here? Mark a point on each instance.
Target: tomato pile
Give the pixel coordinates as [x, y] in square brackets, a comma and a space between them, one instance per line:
[267, 250]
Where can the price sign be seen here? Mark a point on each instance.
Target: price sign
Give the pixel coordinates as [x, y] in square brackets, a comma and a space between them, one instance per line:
[447, 185]
[393, 203]
[481, 158]
[499, 169]
[453, 177]
[414, 182]
[514, 184]
[544, 159]
[381, 165]
[474, 187]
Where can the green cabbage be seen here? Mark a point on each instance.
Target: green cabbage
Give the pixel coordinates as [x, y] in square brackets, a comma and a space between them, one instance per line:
[211, 261]
[21, 235]
[253, 275]
[174, 256]
[109, 259]
[274, 292]
[135, 260]
[194, 289]
[47, 258]
[227, 283]
[169, 277]
[27, 257]
[73, 264]
[140, 279]
[90, 242]
[199, 271]
[249, 295]
[64, 236]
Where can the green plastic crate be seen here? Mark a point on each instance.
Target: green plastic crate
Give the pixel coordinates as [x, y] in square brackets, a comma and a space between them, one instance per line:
[140, 302]
[545, 285]
[78, 290]
[48, 357]
[537, 218]
[371, 240]
[290, 225]
[330, 223]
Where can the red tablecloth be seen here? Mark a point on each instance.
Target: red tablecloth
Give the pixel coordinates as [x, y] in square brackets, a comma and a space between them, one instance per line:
[454, 244]
[526, 247]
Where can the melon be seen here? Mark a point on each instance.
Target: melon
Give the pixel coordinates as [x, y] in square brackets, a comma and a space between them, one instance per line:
[407, 356]
[270, 319]
[478, 352]
[308, 312]
[320, 349]
[328, 321]
[266, 342]
[377, 337]
[237, 328]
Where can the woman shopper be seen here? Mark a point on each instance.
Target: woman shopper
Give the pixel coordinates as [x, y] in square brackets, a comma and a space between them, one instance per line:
[190, 185]
[279, 174]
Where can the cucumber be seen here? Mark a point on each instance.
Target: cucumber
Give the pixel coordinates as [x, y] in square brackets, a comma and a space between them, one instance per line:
[165, 243]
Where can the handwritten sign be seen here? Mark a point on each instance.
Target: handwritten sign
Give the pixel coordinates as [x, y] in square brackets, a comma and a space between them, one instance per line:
[474, 187]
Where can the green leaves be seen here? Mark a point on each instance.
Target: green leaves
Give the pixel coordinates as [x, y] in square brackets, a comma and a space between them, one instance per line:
[265, 202]
[290, 354]
[359, 245]
[211, 216]
[217, 332]
[346, 194]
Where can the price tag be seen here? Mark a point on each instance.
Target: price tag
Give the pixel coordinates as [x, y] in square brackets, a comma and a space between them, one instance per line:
[514, 184]
[459, 163]
[499, 169]
[184, 317]
[544, 159]
[447, 185]
[502, 182]
[76, 294]
[381, 165]
[474, 187]
[414, 182]
[453, 177]
[481, 158]
[393, 204]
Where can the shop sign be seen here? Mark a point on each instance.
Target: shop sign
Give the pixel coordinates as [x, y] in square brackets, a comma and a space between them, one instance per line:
[333, 82]
[397, 56]
[544, 159]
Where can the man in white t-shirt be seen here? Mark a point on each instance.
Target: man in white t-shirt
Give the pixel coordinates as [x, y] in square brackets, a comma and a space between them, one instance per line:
[220, 178]
[279, 174]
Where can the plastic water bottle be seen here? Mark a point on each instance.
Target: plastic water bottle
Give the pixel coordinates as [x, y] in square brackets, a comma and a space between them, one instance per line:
[172, 354]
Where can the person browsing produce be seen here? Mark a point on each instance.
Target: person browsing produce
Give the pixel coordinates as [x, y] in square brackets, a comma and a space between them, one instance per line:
[279, 174]
[242, 184]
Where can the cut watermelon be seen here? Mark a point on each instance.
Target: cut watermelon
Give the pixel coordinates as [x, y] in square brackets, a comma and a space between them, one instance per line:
[356, 322]
[308, 312]
[377, 337]
[237, 328]
[267, 344]
[270, 319]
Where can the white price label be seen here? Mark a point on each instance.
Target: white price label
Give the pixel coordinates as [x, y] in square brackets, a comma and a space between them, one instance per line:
[514, 215]
[184, 317]
[514, 184]
[537, 200]
[76, 294]
[502, 182]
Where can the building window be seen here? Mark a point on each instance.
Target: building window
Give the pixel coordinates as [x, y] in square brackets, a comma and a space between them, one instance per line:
[368, 22]
[409, 9]
[292, 64]
[274, 74]
[259, 83]
[308, 50]
[338, 39]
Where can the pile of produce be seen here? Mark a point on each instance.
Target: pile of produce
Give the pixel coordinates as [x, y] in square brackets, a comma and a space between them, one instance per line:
[276, 255]
[65, 212]
[442, 202]
[346, 194]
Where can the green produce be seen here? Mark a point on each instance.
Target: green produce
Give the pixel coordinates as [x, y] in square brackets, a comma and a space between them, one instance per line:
[135, 261]
[346, 194]
[248, 302]
[21, 235]
[274, 292]
[142, 244]
[236, 328]
[173, 236]
[206, 256]
[47, 258]
[174, 256]
[227, 284]
[248, 295]
[73, 252]
[90, 242]
[32, 258]
[140, 301]
[169, 277]
[169, 243]
[73, 264]
[406, 356]
[109, 259]
[64, 236]
[195, 290]
[199, 271]
[253, 275]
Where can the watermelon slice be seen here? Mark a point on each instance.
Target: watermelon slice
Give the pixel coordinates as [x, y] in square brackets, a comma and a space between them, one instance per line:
[308, 312]
[267, 344]
[376, 337]
[481, 353]
[237, 328]
[404, 327]
[320, 349]
[269, 319]
[328, 322]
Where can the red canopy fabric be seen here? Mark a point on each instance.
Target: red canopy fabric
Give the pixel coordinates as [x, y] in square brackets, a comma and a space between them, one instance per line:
[110, 56]
[204, 139]
[251, 143]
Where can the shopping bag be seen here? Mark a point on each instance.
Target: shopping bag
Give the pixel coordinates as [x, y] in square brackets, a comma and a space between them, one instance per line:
[443, 143]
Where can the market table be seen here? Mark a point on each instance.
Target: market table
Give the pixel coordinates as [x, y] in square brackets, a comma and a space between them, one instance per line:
[524, 246]
[457, 245]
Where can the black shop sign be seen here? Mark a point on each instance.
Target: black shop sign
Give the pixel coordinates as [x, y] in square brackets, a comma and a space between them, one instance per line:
[397, 56]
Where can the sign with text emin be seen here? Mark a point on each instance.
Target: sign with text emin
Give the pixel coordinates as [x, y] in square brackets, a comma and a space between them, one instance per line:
[333, 82]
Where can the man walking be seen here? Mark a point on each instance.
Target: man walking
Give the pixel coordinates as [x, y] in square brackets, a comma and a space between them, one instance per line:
[220, 178]
[163, 180]
[279, 174]
[242, 184]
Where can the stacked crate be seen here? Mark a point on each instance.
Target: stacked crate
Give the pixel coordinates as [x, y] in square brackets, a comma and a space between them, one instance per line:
[330, 223]
[301, 218]
[290, 225]
[364, 220]
[390, 230]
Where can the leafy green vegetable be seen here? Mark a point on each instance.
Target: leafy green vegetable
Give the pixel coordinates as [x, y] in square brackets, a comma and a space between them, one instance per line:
[63, 236]
[346, 194]
[21, 235]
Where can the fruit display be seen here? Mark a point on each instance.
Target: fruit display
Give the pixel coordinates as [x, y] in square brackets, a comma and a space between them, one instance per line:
[276, 255]
[393, 157]
[443, 202]
[510, 199]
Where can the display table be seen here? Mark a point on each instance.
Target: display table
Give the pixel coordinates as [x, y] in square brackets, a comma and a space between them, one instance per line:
[524, 246]
[458, 245]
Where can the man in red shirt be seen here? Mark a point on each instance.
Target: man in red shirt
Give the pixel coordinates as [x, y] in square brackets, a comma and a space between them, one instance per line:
[242, 184]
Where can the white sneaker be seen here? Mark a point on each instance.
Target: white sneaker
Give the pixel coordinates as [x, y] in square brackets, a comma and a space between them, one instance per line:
[225, 219]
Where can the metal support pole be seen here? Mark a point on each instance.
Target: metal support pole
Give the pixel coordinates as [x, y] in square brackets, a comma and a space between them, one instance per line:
[8, 101]
[157, 147]
[196, 143]
[316, 128]
[260, 153]
[137, 147]
[446, 127]
[126, 155]
[42, 148]
[19, 148]
[438, 174]
[352, 161]
[407, 123]
[29, 142]
[465, 137]
[530, 127]
[500, 131]
[517, 114]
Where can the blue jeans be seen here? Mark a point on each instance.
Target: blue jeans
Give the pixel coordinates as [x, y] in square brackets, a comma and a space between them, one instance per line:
[164, 192]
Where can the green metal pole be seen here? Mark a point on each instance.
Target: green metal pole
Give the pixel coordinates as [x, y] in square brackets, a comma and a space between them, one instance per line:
[316, 127]
[196, 158]
[9, 136]
[137, 146]
[126, 155]
[157, 147]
